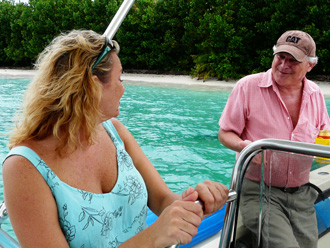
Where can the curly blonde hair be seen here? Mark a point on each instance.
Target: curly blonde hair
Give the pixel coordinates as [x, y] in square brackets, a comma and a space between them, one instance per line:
[63, 99]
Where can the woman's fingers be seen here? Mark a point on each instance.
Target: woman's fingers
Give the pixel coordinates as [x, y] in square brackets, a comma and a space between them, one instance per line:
[189, 195]
[179, 222]
[213, 194]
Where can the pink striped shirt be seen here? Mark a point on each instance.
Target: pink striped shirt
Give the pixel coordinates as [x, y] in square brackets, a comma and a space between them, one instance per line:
[255, 110]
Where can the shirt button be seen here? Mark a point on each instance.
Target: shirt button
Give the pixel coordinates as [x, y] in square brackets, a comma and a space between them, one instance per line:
[288, 118]
[290, 172]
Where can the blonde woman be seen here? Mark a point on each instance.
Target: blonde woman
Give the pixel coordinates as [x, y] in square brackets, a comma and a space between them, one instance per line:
[75, 176]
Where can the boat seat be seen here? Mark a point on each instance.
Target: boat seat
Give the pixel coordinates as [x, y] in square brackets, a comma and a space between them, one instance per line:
[322, 209]
[321, 178]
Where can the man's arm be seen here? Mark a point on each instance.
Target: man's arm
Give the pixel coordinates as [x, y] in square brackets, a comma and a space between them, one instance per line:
[232, 141]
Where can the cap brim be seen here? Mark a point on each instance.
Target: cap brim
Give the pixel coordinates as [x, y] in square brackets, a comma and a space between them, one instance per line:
[294, 51]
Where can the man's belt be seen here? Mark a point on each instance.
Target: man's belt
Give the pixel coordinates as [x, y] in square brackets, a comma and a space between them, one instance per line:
[289, 190]
[294, 189]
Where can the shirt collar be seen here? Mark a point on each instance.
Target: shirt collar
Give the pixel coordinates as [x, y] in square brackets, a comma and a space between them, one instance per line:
[268, 81]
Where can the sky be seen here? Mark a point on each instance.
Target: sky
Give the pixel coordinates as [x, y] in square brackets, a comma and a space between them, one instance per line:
[22, 1]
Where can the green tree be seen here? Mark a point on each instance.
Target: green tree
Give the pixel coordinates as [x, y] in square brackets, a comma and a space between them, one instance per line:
[223, 43]
[207, 38]
[6, 10]
[17, 46]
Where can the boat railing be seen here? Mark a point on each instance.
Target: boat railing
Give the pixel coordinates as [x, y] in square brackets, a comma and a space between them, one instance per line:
[6, 240]
[240, 167]
[3, 213]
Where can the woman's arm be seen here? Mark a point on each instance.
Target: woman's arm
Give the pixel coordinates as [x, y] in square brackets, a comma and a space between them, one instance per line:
[179, 216]
[31, 206]
[159, 195]
[213, 194]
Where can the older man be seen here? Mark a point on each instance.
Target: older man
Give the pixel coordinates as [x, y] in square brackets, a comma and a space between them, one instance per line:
[283, 104]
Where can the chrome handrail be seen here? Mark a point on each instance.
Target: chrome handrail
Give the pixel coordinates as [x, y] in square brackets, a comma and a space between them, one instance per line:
[118, 19]
[3, 213]
[241, 164]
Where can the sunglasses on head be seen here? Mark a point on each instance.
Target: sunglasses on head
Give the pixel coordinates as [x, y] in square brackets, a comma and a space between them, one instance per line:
[108, 47]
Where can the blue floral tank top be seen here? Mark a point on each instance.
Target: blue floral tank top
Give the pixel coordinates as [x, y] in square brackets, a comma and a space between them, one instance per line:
[97, 220]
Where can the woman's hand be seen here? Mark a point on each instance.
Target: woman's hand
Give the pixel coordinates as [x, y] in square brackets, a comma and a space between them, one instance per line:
[212, 194]
[178, 223]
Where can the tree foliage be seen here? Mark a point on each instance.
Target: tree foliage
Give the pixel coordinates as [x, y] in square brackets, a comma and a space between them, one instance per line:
[204, 38]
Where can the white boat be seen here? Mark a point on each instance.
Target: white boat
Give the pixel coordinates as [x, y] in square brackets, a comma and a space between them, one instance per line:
[225, 228]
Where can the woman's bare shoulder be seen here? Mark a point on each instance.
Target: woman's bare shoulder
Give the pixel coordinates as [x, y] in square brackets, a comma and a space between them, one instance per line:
[121, 129]
[18, 166]
[117, 123]
[16, 163]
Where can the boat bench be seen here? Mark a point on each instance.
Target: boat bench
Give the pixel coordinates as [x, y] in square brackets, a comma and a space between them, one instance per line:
[321, 178]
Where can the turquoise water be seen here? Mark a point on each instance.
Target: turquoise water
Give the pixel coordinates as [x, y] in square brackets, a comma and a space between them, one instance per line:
[176, 128]
[11, 94]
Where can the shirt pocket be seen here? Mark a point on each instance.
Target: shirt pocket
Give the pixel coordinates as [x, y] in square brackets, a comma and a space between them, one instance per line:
[306, 132]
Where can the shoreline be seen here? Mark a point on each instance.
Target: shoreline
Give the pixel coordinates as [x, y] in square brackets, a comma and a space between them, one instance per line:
[178, 81]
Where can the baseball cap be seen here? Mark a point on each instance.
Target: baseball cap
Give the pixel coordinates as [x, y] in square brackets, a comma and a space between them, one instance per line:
[297, 43]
